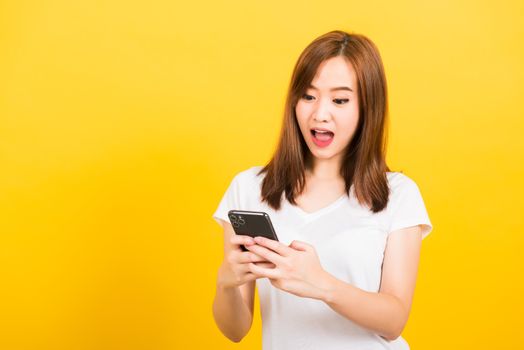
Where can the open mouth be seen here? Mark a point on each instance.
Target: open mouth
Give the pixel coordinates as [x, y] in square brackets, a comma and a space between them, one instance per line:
[322, 138]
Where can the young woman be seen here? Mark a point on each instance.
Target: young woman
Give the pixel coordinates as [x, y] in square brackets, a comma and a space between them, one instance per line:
[343, 273]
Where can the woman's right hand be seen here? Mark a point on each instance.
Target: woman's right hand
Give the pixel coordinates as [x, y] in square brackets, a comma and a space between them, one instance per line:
[234, 270]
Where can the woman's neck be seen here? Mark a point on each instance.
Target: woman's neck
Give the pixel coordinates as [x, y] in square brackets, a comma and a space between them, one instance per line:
[323, 169]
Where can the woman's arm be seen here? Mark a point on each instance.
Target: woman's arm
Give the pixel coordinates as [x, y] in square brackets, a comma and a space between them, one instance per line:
[298, 271]
[233, 305]
[387, 311]
[231, 312]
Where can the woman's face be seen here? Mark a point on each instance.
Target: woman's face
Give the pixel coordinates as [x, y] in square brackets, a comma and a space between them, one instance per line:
[330, 104]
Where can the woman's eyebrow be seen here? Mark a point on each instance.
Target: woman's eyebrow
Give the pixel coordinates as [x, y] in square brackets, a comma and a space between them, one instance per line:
[333, 89]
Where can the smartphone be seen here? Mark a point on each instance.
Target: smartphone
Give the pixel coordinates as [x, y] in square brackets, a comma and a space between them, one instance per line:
[251, 223]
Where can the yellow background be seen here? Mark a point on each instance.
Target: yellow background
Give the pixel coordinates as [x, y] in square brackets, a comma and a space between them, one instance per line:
[122, 124]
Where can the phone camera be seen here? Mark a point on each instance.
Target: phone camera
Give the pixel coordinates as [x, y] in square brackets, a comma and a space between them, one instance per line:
[241, 220]
[234, 220]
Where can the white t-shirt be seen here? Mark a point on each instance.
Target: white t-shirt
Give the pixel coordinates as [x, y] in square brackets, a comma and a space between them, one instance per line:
[350, 241]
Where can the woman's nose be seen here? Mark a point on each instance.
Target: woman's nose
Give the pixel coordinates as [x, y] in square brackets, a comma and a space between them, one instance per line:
[322, 113]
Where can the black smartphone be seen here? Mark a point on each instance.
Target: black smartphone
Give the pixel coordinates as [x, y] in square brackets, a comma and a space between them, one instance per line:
[251, 223]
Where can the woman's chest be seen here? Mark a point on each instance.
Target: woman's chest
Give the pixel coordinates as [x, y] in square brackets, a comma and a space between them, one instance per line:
[350, 245]
[318, 197]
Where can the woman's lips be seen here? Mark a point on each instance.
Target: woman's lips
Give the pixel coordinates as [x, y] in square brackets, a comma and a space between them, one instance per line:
[322, 139]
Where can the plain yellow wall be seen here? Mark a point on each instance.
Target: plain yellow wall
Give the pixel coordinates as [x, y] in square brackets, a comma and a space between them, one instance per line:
[122, 123]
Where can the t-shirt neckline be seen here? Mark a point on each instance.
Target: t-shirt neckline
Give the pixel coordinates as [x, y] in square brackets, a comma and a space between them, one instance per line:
[320, 211]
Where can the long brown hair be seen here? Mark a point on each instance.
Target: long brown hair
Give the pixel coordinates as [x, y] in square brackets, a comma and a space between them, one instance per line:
[364, 165]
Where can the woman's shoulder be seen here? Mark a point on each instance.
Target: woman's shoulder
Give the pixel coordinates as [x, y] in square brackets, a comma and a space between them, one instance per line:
[398, 181]
[250, 176]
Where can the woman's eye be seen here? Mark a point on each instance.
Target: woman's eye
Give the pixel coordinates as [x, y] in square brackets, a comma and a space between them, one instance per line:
[307, 97]
[341, 100]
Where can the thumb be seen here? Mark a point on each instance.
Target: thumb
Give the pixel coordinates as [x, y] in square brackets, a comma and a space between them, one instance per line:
[299, 245]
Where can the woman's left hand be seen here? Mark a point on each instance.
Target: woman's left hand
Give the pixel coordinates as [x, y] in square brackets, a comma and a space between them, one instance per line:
[297, 267]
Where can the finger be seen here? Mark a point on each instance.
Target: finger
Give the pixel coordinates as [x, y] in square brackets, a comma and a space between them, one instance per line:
[247, 257]
[267, 254]
[247, 277]
[241, 239]
[250, 276]
[276, 246]
[299, 245]
[264, 271]
[244, 268]
[266, 265]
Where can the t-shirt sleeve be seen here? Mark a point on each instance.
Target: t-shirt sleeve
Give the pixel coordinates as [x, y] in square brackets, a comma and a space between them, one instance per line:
[408, 209]
[230, 201]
